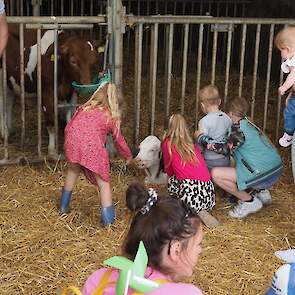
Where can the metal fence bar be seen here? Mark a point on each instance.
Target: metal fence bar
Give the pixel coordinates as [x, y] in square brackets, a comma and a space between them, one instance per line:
[214, 52]
[169, 70]
[228, 57]
[4, 117]
[55, 94]
[184, 66]
[279, 105]
[254, 84]
[138, 71]
[22, 86]
[242, 59]
[39, 91]
[153, 77]
[271, 34]
[199, 66]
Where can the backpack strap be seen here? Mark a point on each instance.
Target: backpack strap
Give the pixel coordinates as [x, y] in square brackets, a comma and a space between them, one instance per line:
[103, 283]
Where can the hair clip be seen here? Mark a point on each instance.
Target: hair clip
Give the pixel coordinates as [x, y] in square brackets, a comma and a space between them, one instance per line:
[150, 202]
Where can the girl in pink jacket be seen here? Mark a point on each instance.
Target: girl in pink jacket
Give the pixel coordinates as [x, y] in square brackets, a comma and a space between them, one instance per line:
[189, 178]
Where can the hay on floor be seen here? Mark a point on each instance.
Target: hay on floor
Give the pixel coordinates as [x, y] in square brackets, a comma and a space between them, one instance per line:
[42, 252]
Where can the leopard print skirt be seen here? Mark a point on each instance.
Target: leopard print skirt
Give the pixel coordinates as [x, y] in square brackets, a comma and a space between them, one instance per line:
[195, 194]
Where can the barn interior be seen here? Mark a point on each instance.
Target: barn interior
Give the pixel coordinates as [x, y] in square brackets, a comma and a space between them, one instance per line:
[42, 251]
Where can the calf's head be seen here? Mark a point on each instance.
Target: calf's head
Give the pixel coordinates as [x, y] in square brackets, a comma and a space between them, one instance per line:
[81, 60]
[149, 152]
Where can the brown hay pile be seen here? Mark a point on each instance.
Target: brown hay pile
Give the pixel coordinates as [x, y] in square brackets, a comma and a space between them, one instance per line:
[42, 252]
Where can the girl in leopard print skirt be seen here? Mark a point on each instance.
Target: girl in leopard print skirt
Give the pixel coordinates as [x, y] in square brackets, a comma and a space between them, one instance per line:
[189, 178]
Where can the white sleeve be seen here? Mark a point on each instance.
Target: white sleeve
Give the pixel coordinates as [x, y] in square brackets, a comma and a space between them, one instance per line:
[2, 7]
[285, 68]
[288, 63]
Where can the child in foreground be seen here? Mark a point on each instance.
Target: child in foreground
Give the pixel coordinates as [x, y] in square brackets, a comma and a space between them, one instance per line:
[84, 146]
[172, 237]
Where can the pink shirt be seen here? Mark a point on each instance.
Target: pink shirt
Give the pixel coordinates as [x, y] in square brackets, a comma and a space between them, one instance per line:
[196, 171]
[166, 288]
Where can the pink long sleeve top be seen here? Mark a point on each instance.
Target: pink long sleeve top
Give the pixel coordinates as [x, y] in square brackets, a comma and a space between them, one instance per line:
[192, 170]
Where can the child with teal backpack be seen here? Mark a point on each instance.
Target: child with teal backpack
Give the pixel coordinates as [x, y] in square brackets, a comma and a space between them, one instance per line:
[258, 164]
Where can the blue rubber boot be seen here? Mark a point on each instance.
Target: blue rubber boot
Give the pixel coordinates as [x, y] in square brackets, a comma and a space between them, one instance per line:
[108, 215]
[65, 200]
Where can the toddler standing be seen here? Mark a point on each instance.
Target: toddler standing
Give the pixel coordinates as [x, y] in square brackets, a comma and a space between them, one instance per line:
[285, 42]
[85, 138]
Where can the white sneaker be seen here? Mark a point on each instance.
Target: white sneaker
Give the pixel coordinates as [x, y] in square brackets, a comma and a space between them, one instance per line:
[243, 209]
[285, 140]
[265, 197]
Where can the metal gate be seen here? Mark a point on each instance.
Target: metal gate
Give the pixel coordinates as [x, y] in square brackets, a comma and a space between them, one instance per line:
[170, 58]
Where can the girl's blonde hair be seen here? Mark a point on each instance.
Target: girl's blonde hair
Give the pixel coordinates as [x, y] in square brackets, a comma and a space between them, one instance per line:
[179, 136]
[105, 97]
[285, 38]
[209, 94]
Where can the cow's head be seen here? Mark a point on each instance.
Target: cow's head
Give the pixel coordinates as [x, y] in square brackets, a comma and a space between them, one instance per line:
[149, 152]
[81, 59]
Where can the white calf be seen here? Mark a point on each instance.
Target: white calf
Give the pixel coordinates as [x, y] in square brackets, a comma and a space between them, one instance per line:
[149, 158]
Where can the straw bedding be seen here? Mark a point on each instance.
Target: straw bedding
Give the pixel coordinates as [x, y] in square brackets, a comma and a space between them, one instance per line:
[41, 251]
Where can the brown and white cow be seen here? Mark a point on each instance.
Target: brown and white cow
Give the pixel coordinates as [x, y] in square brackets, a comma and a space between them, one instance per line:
[78, 60]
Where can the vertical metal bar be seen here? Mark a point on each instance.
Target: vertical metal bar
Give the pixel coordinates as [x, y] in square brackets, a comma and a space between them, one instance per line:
[138, 70]
[191, 31]
[199, 66]
[184, 66]
[4, 117]
[82, 8]
[235, 9]
[257, 42]
[271, 34]
[72, 7]
[157, 6]
[21, 8]
[22, 85]
[169, 69]
[214, 52]
[62, 7]
[228, 57]
[242, 61]
[154, 76]
[279, 105]
[39, 91]
[138, 7]
[91, 7]
[55, 94]
[52, 8]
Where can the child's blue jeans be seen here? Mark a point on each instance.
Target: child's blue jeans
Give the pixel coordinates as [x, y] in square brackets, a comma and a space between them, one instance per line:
[289, 115]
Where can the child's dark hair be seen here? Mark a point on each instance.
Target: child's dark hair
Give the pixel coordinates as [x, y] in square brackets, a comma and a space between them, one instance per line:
[238, 106]
[167, 220]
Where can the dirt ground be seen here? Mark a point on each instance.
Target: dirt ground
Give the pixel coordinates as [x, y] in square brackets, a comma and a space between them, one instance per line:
[42, 252]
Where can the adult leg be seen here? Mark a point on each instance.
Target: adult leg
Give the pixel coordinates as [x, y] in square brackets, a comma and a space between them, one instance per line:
[72, 175]
[108, 210]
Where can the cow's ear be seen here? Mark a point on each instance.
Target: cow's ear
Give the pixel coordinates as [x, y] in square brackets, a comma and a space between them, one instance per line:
[64, 49]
